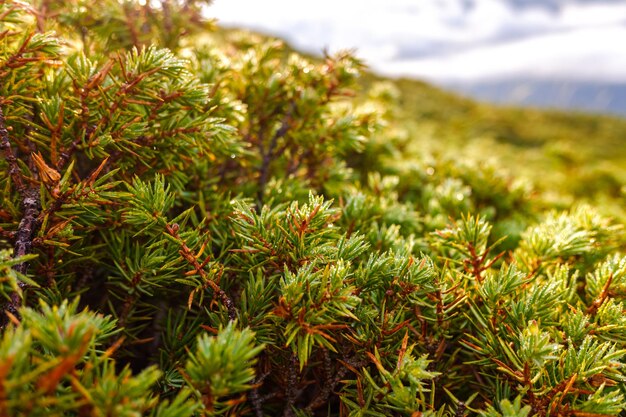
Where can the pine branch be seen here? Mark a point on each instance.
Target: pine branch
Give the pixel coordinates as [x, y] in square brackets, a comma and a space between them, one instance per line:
[188, 255]
[255, 398]
[27, 229]
[29, 225]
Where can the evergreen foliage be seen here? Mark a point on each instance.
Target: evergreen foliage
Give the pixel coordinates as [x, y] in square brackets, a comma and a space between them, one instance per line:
[201, 223]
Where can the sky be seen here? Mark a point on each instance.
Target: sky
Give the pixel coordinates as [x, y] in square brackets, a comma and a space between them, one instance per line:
[452, 40]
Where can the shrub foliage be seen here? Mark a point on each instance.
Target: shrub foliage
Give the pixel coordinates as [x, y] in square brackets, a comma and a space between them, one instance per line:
[204, 223]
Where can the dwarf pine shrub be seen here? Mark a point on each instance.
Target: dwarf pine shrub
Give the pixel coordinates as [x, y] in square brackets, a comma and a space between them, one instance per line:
[199, 223]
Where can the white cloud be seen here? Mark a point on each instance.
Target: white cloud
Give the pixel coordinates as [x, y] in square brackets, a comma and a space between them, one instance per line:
[447, 40]
[593, 54]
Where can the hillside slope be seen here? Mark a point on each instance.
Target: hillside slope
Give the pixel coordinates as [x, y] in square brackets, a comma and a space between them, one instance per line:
[567, 156]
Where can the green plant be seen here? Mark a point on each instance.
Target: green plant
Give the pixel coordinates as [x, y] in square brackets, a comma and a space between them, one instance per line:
[214, 225]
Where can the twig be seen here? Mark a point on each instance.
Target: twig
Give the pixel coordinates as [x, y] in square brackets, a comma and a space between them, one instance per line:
[291, 393]
[29, 225]
[255, 398]
[27, 229]
[66, 154]
[188, 255]
[327, 386]
[352, 364]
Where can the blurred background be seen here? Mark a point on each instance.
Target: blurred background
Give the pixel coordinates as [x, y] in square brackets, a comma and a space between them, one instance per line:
[564, 54]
